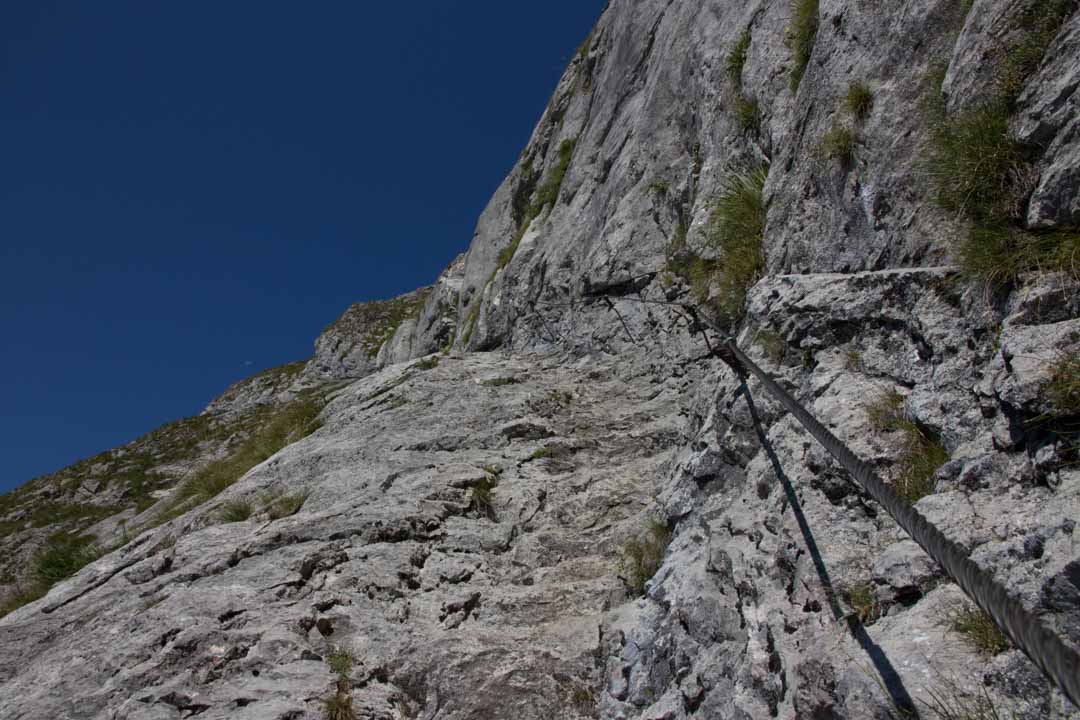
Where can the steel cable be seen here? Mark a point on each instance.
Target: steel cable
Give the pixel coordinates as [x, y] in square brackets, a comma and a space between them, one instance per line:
[1058, 661]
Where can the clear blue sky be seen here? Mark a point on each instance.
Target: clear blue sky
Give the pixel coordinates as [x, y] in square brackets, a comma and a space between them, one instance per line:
[190, 191]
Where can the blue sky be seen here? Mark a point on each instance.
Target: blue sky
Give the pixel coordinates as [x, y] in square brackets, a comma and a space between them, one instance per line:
[192, 190]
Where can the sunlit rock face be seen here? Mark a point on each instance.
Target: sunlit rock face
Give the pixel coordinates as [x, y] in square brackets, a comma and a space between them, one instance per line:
[535, 494]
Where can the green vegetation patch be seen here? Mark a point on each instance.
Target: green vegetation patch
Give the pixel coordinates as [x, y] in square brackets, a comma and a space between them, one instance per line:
[286, 425]
[482, 502]
[802, 34]
[747, 114]
[736, 232]
[979, 630]
[922, 453]
[978, 168]
[736, 59]
[859, 100]
[1063, 388]
[547, 194]
[839, 145]
[63, 555]
[643, 556]
[864, 606]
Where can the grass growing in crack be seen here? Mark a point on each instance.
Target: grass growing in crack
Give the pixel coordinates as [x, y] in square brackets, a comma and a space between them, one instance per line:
[339, 705]
[285, 506]
[978, 168]
[642, 556]
[859, 100]
[979, 630]
[546, 194]
[736, 231]
[864, 606]
[235, 511]
[736, 59]
[429, 363]
[886, 411]
[747, 114]
[482, 501]
[801, 36]
[921, 454]
[772, 344]
[839, 145]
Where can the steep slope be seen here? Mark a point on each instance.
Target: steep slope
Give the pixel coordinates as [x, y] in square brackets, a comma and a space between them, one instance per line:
[876, 200]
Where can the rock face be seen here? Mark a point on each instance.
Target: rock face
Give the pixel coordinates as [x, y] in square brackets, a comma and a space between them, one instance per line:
[476, 530]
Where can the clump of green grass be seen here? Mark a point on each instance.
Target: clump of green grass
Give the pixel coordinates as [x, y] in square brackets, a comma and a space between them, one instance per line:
[736, 231]
[801, 36]
[285, 506]
[289, 424]
[979, 629]
[977, 168]
[339, 705]
[922, 453]
[501, 382]
[235, 511]
[736, 59]
[482, 501]
[643, 556]
[429, 363]
[772, 344]
[886, 411]
[1063, 388]
[747, 114]
[63, 556]
[864, 606]
[859, 100]
[659, 188]
[839, 145]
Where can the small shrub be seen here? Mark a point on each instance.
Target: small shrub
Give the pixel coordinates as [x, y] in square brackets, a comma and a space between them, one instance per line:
[482, 501]
[886, 411]
[737, 230]
[235, 511]
[341, 662]
[853, 360]
[772, 344]
[1063, 389]
[643, 556]
[659, 187]
[339, 705]
[839, 145]
[736, 59]
[979, 629]
[860, 100]
[801, 36]
[283, 506]
[747, 114]
[864, 606]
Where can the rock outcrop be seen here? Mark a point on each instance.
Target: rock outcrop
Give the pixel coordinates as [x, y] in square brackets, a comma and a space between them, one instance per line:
[537, 494]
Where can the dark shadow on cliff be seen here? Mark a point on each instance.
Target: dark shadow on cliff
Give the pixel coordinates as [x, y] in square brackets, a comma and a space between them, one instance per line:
[890, 679]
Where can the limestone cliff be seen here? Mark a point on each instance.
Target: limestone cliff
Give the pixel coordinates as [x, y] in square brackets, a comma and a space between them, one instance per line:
[531, 492]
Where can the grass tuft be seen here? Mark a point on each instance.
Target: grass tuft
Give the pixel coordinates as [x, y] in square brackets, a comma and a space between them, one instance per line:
[482, 501]
[747, 114]
[428, 363]
[979, 629]
[643, 556]
[772, 344]
[949, 702]
[235, 511]
[886, 411]
[921, 455]
[864, 606]
[736, 59]
[801, 36]
[63, 556]
[839, 145]
[736, 231]
[860, 100]
[286, 505]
